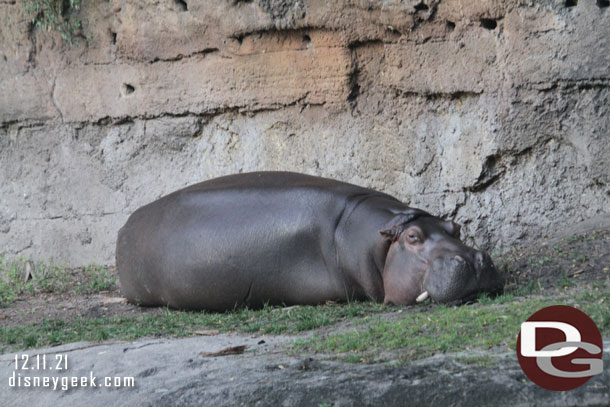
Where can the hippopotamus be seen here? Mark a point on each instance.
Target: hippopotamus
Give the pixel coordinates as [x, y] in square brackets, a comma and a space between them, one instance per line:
[285, 238]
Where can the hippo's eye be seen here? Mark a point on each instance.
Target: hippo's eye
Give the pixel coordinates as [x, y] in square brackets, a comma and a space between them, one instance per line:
[413, 238]
[413, 235]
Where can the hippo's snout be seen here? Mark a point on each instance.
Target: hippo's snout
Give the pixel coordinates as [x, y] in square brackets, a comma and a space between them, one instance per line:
[461, 276]
[488, 278]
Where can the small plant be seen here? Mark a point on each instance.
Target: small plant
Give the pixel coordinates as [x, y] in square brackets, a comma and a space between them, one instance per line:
[56, 15]
[532, 288]
[579, 258]
[11, 283]
[576, 238]
[49, 279]
[98, 279]
[566, 281]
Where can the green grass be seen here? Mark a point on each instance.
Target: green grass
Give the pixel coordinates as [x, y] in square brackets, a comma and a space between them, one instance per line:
[98, 279]
[413, 332]
[493, 323]
[417, 334]
[269, 320]
[50, 279]
[532, 288]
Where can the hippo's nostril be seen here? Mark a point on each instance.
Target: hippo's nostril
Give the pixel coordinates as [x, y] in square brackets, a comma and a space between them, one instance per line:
[460, 258]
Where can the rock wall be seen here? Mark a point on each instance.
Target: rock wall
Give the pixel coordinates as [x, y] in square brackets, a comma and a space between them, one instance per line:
[493, 113]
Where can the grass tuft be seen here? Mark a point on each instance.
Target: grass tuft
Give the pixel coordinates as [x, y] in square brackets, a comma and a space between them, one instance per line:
[44, 278]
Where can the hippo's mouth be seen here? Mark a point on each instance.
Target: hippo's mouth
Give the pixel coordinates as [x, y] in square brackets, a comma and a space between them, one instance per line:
[463, 288]
[462, 300]
[460, 281]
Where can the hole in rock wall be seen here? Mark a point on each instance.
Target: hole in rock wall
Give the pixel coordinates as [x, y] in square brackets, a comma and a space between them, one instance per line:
[421, 7]
[354, 88]
[307, 40]
[450, 25]
[571, 3]
[181, 5]
[127, 89]
[603, 3]
[113, 36]
[488, 23]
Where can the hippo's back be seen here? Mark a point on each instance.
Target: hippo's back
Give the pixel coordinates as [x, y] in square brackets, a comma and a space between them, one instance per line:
[237, 240]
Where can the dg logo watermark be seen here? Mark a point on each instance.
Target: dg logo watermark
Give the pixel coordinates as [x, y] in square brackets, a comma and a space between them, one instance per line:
[560, 348]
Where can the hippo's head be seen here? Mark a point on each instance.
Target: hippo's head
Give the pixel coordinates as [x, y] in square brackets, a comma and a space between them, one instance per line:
[427, 258]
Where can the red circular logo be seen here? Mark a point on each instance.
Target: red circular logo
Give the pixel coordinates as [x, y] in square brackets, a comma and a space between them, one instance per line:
[560, 348]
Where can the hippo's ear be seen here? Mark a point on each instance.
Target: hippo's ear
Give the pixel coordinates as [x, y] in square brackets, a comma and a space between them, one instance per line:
[456, 229]
[399, 223]
[392, 233]
[452, 228]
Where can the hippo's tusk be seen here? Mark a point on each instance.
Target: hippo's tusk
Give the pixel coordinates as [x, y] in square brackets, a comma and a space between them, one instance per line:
[422, 297]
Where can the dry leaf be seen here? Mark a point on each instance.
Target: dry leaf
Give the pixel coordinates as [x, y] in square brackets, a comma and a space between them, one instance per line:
[114, 300]
[231, 350]
[28, 271]
[207, 332]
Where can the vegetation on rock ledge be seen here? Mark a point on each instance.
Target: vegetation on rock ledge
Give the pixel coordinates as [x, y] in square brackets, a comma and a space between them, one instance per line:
[55, 15]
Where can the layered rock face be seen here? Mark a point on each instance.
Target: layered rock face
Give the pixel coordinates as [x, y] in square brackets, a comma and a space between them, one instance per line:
[491, 113]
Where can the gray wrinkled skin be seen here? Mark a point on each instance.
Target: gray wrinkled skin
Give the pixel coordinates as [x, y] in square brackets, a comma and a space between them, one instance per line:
[287, 238]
